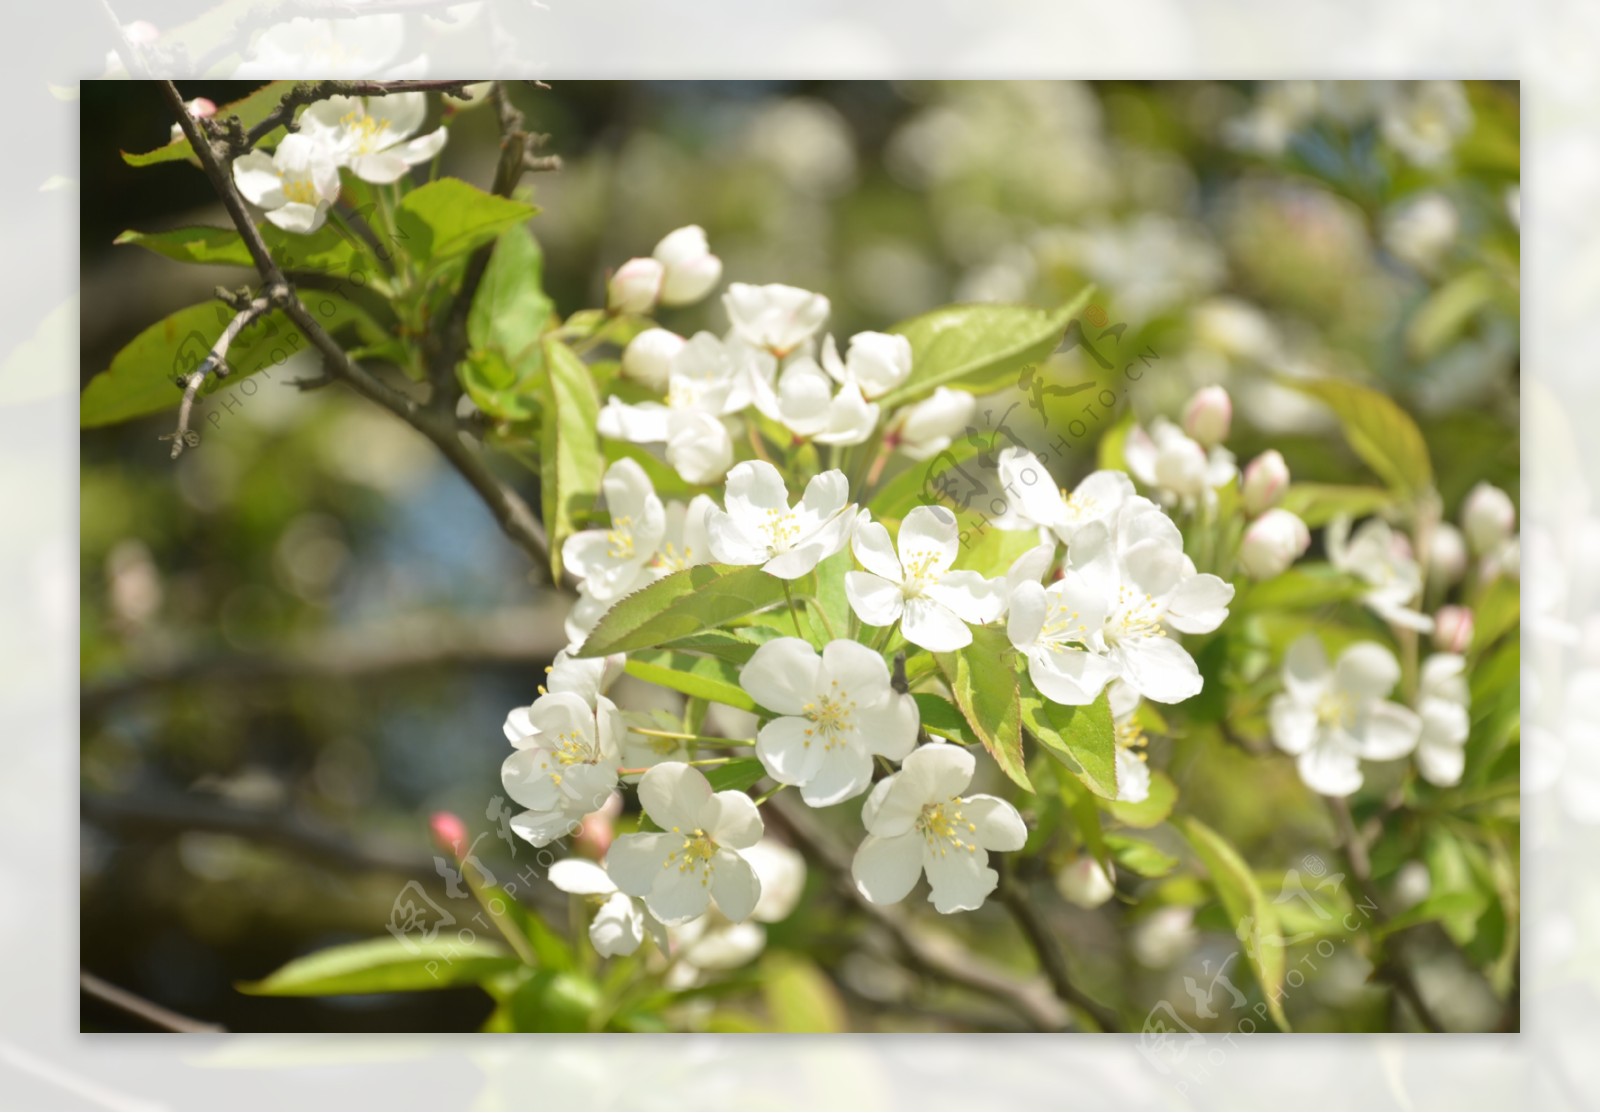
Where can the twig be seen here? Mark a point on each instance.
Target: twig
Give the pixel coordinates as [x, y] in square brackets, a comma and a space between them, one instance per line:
[1393, 968]
[508, 507]
[214, 363]
[1045, 947]
[147, 1011]
[936, 957]
[309, 92]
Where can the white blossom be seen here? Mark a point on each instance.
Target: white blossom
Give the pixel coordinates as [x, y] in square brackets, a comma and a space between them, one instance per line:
[1272, 543]
[1487, 518]
[1133, 769]
[836, 711]
[1425, 123]
[1035, 500]
[294, 186]
[1331, 717]
[566, 768]
[609, 560]
[1381, 559]
[690, 270]
[620, 922]
[648, 357]
[876, 363]
[1179, 469]
[928, 427]
[917, 821]
[692, 860]
[759, 526]
[805, 400]
[635, 286]
[372, 136]
[1442, 702]
[777, 318]
[585, 677]
[915, 585]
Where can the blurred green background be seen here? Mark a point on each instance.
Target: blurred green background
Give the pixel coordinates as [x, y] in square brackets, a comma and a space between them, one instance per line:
[301, 638]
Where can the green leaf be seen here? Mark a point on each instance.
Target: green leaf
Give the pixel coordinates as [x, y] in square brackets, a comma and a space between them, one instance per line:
[1081, 738]
[1141, 857]
[978, 348]
[1498, 611]
[735, 647]
[918, 484]
[570, 471]
[1254, 919]
[703, 677]
[553, 1001]
[688, 602]
[1153, 810]
[1379, 431]
[499, 390]
[1441, 318]
[447, 218]
[251, 110]
[1317, 504]
[800, 997]
[328, 250]
[830, 598]
[511, 309]
[983, 681]
[942, 719]
[1303, 587]
[385, 966]
[143, 376]
[1439, 906]
[736, 775]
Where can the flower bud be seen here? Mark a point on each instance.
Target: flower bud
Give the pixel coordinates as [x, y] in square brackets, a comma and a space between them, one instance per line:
[1447, 555]
[1083, 881]
[1208, 415]
[691, 269]
[635, 286]
[927, 428]
[141, 32]
[594, 836]
[648, 357]
[1271, 543]
[449, 833]
[1452, 629]
[1266, 478]
[1487, 517]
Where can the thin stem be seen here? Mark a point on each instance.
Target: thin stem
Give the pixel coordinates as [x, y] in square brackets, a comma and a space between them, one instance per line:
[701, 739]
[148, 1011]
[1048, 952]
[503, 922]
[794, 611]
[1393, 968]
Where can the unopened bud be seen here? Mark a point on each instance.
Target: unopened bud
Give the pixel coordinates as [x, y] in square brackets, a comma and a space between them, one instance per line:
[598, 829]
[1266, 478]
[691, 270]
[648, 357]
[635, 286]
[1487, 517]
[1272, 543]
[1083, 881]
[1208, 416]
[1447, 555]
[1453, 629]
[449, 833]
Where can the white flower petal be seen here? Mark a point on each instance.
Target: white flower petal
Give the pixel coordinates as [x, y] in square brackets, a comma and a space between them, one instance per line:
[1366, 670]
[635, 861]
[1330, 769]
[675, 795]
[1159, 669]
[1388, 731]
[582, 877]
[975, 599]
[734, 884]
[782, 675]
[871, 545]
[618, 927]
[998, 825]
[732, 820]
[928, 535]
[1294, 724]
[886, 868]
[933, 626]
[961, 879]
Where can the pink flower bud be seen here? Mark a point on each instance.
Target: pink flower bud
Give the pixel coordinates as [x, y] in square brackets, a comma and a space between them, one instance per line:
[1271, 543]
[1266, 478]
[449, 833]
[598, 829]
[1208, 416]
[1453, 629]
[635, 286]
[201, 108]
[648, 357]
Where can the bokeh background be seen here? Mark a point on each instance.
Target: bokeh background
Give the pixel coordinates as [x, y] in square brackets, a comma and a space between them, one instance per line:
[300, 639]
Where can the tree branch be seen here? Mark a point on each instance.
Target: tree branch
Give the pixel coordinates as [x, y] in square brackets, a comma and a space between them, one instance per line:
[309, 92]
[1393, 968]
[214, 363]
[147, 1011]
[508, 507]
[1051, 959]
[931, 955]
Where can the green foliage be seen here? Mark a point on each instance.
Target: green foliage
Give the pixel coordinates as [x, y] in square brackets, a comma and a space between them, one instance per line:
[1140, 856]
[736, 775]
[143, 376]
[570, 471]
[386, 965]
[983, 680]
[511, 310]
[1081, 738]
[326, 251]
[691, 601]
[978, 348]
[1379, 431]
[1317, 504]
[799, 996]
[702, 677]
[1153, 810]
[1253, 917]
[448, 218]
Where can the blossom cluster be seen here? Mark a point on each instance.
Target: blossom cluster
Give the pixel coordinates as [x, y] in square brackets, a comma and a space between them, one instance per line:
[1096, 606]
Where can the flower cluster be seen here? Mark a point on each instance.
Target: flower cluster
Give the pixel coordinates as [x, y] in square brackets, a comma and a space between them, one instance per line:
[1095, 604]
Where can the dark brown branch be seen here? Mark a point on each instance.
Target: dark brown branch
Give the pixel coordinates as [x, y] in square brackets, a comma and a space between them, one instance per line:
[1051, 959]
[508, 507]
[148, 1011]
[935, 956]
[1392, 968]
[309, 92]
